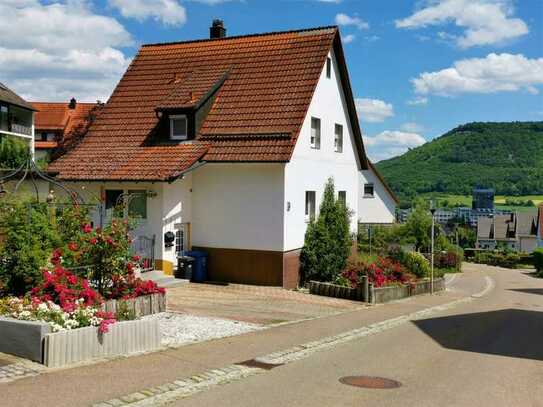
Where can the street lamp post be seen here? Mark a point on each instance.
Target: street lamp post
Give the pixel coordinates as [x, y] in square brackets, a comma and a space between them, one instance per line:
[432, 211]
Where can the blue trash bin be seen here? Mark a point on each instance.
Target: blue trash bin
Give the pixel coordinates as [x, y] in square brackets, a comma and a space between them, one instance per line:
[199, 269]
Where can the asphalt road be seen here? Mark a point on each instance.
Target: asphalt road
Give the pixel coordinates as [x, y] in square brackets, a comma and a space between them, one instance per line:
[487, 352]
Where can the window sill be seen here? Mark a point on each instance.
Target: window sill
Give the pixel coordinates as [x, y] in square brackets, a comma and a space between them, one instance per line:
[368, 196]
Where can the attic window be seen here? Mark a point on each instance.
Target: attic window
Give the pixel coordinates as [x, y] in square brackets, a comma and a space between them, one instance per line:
[328, 67]
[178, 127]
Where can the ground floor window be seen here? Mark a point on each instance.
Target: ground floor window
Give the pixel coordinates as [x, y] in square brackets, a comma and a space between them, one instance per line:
[342, 197]
[181, 238]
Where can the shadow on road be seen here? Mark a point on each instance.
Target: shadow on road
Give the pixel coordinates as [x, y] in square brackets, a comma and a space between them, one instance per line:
[508, 332]
[528, 290]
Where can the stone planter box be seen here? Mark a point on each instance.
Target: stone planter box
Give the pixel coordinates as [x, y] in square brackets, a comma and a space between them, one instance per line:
[396, 292]
[141, 306]
[337, 291]
[23, 338]
[83, 344]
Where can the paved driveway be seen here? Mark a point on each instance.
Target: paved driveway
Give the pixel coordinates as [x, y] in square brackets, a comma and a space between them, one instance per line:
[256, 304]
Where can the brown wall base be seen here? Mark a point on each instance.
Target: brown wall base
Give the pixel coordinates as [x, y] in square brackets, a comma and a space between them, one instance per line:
[259, 267]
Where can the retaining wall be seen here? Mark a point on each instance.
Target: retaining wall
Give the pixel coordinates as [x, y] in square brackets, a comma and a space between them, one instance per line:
[141, 306]
[23, 338]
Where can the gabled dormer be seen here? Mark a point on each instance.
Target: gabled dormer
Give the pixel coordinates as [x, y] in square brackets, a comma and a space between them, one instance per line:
[183, 111]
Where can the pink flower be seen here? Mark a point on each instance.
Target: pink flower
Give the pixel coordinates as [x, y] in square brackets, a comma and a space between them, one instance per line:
[87, 228]
[72, 246]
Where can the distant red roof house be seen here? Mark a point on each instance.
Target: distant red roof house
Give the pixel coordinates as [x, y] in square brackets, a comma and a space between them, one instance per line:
[239, 99]
[59, 126]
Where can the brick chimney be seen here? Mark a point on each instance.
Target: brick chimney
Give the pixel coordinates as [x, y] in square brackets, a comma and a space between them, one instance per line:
[217, 29]
[72, 103]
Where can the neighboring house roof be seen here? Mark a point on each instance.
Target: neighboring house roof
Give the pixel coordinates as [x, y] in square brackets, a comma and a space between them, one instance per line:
[61, 117]
[8, 96]
[259, 88]
[527, 223]
[484, 228]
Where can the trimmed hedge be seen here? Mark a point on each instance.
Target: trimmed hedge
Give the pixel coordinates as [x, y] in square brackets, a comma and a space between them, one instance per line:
[538, 261]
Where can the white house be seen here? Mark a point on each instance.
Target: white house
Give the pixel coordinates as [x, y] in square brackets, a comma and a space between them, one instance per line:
[228, 143]
[16, 116]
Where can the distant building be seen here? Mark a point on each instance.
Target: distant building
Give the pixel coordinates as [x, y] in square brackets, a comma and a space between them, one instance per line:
[16, 116]
[515, 231]
[483, 199]
[540, 226]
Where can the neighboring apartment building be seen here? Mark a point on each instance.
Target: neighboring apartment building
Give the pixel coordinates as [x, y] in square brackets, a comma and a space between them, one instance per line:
[228, 143]
[16, 116]
[59, 126]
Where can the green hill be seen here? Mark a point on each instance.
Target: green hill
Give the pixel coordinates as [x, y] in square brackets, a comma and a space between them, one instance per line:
[505, 156]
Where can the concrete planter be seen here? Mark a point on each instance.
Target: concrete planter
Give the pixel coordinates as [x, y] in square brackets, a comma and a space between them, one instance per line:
[83, 344]
[23, 338]
[141, 306]
[396, 292]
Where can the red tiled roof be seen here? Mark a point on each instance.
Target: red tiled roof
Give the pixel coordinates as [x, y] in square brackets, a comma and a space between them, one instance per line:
[262, 86]
[58, 116]
[45, 145]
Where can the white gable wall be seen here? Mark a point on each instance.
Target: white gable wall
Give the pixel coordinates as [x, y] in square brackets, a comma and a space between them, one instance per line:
[379, 209]
[309, 168]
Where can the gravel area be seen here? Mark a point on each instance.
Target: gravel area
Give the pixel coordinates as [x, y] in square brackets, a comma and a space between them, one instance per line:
[179, 329]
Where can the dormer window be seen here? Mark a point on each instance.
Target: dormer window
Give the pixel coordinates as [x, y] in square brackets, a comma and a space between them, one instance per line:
[178, 127]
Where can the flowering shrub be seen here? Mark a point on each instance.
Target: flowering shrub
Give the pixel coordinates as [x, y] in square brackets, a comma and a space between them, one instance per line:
[65, 289]
[448, 259]
[129, 286]
[34, 309]
[381, 272]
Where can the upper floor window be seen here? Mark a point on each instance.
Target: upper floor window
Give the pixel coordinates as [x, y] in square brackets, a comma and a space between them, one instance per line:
[310, 202]
[315, 133]
[338, 139]
[178, 127]
[4, 115]
[342, 197]
[328, 67]
[368, 190]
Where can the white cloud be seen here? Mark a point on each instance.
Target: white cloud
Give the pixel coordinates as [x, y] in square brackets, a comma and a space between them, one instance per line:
[373, 110]
[485, 22]
[330, 1]
[494, 73]
[57, 51]
[412, 127]
[391, 143]
[345, 20]
[418, 101]
[347, 39]
[169, 12]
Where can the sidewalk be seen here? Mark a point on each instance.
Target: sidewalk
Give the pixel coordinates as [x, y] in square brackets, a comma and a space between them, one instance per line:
[91, 384]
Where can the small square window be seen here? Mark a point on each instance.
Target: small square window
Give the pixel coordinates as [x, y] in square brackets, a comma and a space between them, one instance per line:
[315, 133]
[178, 127]
[342, 197]
[368, 190]
[328, 67]
[338, 139]
[310, 205]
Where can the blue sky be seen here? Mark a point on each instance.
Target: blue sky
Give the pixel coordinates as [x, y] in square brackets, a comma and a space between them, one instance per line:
[418, 68]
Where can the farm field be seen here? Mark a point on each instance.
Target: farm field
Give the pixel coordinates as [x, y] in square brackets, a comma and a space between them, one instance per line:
[499, 200]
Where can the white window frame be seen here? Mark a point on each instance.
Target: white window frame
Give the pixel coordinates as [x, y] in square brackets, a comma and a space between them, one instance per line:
[315, 139]
[310, 207]
[177, 117]
[338, 138]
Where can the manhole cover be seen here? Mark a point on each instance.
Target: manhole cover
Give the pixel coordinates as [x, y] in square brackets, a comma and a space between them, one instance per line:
[370, 382]
[259, 364]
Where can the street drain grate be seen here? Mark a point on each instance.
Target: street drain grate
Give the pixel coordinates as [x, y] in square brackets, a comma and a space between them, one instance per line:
[260, 365]
[370, 382]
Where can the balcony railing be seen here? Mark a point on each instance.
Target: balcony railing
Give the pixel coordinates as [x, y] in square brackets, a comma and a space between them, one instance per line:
[21, 129]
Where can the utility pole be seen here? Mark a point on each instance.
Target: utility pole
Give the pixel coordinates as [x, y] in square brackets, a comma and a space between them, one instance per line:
[432, 211]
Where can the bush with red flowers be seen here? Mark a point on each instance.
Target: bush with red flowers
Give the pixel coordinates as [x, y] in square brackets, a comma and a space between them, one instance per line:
[65, 289]
[129, 286]
[382, 271]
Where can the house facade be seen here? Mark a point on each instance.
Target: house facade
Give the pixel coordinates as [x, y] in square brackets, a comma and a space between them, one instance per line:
[16, 117]
[515, 231]
[227, 143]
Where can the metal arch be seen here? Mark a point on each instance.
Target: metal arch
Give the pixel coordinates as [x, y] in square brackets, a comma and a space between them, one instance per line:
[29, 167]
